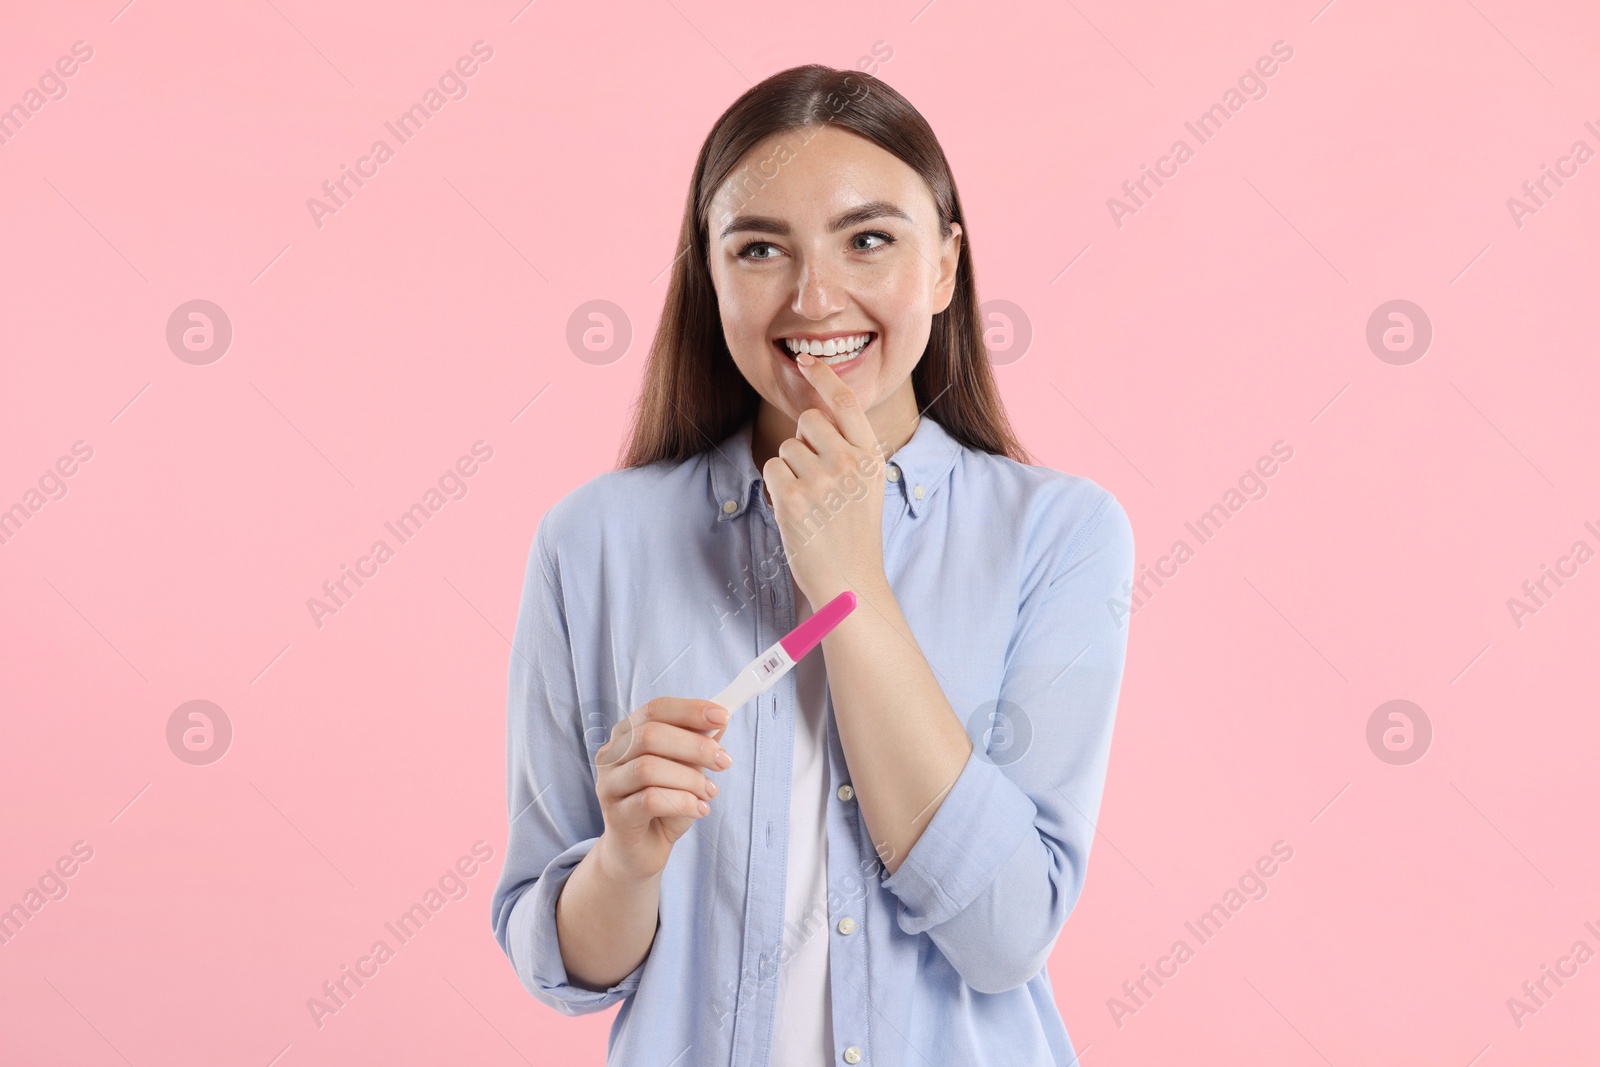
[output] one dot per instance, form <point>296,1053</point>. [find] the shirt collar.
<point>917,471</point>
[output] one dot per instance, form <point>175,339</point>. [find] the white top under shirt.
<point>803,1028</point>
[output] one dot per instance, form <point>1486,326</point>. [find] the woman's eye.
<point>744,253</point>
<point>764,250</point>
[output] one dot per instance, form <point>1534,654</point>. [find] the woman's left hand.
<point>827,486</point>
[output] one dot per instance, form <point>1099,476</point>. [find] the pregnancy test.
<point>764,671</point>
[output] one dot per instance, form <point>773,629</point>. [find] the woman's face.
<point>824,238</point>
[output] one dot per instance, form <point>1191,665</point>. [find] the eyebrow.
<point>872,209</point>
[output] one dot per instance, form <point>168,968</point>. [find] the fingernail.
<point>723,759</point>
<point>711,788</point>
<point>805,359</point>
<point>704,807</point>
<point>717,714</point>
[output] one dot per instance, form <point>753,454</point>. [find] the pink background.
<point>368,354</point>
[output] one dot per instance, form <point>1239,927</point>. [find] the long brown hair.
<point>693,394</point>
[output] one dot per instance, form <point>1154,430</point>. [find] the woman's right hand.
<point>650,782</point>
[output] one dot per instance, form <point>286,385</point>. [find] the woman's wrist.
<point>606,920</point>
<point>614,874</point>
<point>871,585</point>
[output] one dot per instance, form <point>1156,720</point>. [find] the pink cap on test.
<point>807,635</point>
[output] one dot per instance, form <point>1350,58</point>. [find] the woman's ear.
<point>949,261</point>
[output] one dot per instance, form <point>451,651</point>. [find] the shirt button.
<point>847,925</point>
<point>730,506</point>
<point>852,1055</point>
<point>917,492</point>
<point>845,792</point>
<point>894,476</point>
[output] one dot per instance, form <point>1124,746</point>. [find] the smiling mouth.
<point>835,351</point>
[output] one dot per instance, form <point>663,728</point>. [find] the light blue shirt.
<point>665,581</point>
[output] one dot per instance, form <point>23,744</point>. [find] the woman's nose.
<point>818,293</point>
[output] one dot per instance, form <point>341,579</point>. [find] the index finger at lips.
<point>842,403</point>
<point>817,429</point>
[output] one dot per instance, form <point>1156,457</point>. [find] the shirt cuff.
<point>533,926</point>
<point>982,822</point>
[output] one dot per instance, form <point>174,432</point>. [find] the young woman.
<point>870,862</point>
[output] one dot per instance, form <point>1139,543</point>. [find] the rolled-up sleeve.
<point>1001,863</point>
<point>554,813</point>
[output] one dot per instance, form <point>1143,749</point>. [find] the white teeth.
<point>841,348</point>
